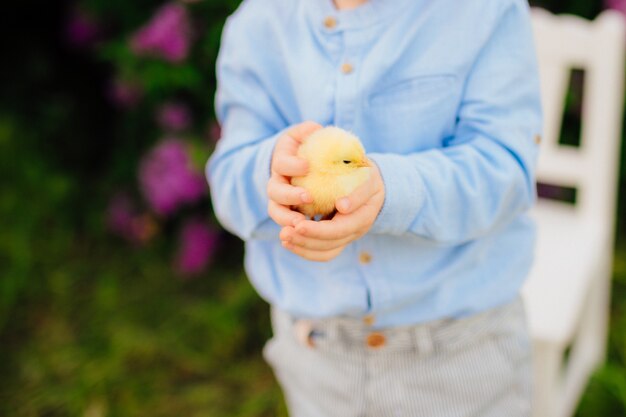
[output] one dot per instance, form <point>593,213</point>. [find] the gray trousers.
<point>477,366</point>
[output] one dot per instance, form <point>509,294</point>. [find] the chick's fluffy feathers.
<point>337,166</point>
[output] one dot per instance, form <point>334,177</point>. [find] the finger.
<point>287,145</point>
<point>339,227</point>
<point>313,255</point>
<point>300,131</point>
<point>288,234</point>
<point>282,215</point>
<point>286,194</point>
<point>320,245</point>
<point>294,136</point>
<point>289,165</point>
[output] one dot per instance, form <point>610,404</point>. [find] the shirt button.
<point>369,319</point>
<point>347,68</point>
<point>537,139</point>
<point>365,258</point>
<point>330,22</point>
<point>375,340</point>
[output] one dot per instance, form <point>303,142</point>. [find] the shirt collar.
<point>363,16</point>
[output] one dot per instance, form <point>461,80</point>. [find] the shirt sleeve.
<point>239,169</point>
<point>483,176</point>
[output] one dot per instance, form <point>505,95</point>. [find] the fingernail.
<point>344,204</point>
<point>295,221</point>
<point>305,197</point>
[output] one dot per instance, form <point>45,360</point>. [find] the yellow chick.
<point>337,165</point>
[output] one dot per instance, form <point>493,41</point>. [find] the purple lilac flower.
<point>197,246</point>
<point>167,35</point>
<point>125,94</point>
<point>619,5</point>
<point>167,178</point>
<point>81,30</point>
<point>174,117</point>
<point>124,220</point>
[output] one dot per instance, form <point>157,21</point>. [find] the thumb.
<point>357,198</point>
<point>363,193</point>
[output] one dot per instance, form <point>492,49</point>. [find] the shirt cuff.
<point>404,194</point>
<point>265,151</point>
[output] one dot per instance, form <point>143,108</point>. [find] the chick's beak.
<point>363,163</point>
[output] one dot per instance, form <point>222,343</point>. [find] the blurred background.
<point>119,293</point>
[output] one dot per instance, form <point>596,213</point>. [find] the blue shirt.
<point>445,97</point>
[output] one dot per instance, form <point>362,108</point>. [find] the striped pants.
<point>477,366</point>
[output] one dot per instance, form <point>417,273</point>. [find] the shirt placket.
<point>345,47</point>
<point>347,76</point>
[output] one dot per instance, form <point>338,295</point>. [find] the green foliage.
<point>33,184</point>
<point>585,8</point>
<point>194,79</point>
<point>606,393</point>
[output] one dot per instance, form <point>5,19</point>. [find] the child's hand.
<point>325,240</point>
<point>286,164</point>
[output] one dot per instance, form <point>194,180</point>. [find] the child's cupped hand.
<point>324,240</point>
<point>317,240</point>
<point>284,165</point>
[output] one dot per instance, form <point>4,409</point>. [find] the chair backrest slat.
<point>565,43</point>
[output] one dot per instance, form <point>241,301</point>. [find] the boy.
<point>407,302</point>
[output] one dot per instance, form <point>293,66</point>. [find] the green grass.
<point>116,334</point>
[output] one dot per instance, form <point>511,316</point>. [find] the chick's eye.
<point>346,161</point>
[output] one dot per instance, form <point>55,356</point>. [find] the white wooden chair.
<point>567,293</point>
